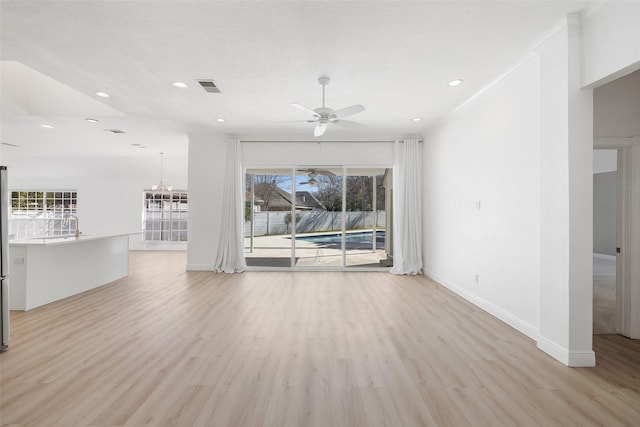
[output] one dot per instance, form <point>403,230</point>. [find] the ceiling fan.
<point>323,116</point>
<point>312,173</point>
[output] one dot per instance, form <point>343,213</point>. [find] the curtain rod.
<point>333,142</point>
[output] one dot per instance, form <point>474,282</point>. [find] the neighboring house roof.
<point>256,201</point>
<point>307,198</point>
<point>282,200</point>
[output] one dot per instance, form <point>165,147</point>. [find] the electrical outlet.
<point>476,278</point>
<point>18,260</point>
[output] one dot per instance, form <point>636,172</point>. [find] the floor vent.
<point>209,86</point>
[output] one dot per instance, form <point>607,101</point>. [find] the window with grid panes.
<point>37,214</point>
<point>165,216</point>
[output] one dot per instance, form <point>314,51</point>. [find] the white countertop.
<point>49,241</point>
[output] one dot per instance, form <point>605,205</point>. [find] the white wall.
<point>318,154</point>
<point>206,178</point>
<point>610,41</point>
<point>605,161</point>
<point>110,190</point>
<point>566,223</point>
<point>605,194</point>
<point>523,148</point>
<point>605,201</point>
<point>488,151</point>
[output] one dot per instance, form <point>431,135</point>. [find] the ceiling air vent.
<point>114,130</point>
<point>209,86</point>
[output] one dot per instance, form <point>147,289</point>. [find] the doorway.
<point>605,238</point>
<point>615,127</point>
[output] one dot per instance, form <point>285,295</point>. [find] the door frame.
<point>628,237</point>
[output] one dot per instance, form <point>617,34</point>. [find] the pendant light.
<point>161,188</point>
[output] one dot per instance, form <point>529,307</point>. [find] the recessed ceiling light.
<point>179,84</point>
<point>220,120</point>
<point>102,94</point>
<point>417,119</point>
<point>47,126</point>
<point>455,82</point>
<point>92,120</point>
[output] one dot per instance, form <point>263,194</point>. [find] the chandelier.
<point>161,187</point>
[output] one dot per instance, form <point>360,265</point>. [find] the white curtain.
<point>407,207</point>
<point>230,257</point>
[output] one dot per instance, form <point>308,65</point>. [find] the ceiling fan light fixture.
<point>319,130</point>
<point>324,115</point>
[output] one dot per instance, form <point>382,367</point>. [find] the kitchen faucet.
<point>65,223</point>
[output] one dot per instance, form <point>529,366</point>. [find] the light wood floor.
<point>604,296</point>
<point>173,348</point>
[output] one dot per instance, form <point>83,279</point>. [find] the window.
<point>165,216</point>
<point>37,214</point>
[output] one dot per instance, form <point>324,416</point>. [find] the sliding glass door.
<point>319,231</point>
<point>365,218</point>
<point>267,218</point>
<point>320,217</point>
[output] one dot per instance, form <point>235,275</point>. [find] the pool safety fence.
<point>273,223</point>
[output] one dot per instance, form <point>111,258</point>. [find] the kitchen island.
<point>50,269</point>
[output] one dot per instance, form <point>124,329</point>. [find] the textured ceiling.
<point>395,58</point>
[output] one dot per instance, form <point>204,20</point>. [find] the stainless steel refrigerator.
<point>4,259</point>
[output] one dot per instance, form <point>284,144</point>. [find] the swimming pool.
<point>364,237</point>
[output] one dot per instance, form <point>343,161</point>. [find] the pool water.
<point>362,237</point>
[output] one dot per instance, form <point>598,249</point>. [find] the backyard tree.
<point>287,219</point>
<point>265,187</point>
<point>359,194</point>
<point>329,192</point>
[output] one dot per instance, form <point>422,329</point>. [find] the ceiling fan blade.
<point>296,121</point>
<point>313,172</point>
<point>324,172</point>
<point>319,130</point>
<point>348,111</point>
<point>305,109</point>
<point>349,124</point>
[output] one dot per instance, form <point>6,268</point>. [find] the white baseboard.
<point>158,246</point>
<point>582,359</point>
<point>502,315</point>
<point>200,267</point>
<point>574,359</point>
<point>585,358</point>
<point>604,256</point>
